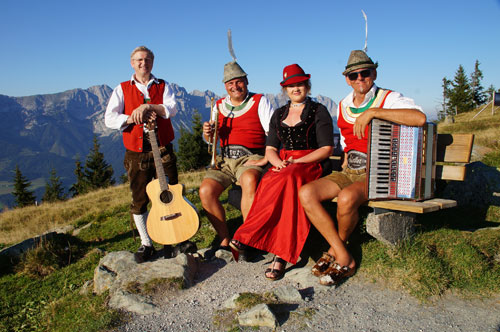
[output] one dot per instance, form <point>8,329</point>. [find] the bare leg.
<point>312,194</point>
<point>348,202</point>
<point>210,191</point>
<point>248,182</point>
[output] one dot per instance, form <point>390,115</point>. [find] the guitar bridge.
<point>170,216</point>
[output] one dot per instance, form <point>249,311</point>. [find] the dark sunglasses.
<point>364,73</point>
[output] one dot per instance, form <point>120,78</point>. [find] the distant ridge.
<point>52,130</point>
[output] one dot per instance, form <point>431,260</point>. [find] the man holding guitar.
<point>142,99</point>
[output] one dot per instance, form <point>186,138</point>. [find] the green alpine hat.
<point>357,60</point>
<point>232,70</point>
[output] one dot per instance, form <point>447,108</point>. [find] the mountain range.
<point>48,131</point>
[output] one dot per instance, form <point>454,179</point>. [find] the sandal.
<point>276,274</point>
<point>335,274</point>
<point>322,264</point>
<point>237,248</point>
<point>237,245</point>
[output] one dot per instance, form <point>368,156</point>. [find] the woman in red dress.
<point>300,137</point>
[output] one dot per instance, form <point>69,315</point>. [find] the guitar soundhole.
<point>166,197</point>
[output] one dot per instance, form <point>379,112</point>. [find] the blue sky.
<point>53,46</point>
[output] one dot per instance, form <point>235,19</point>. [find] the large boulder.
<point>118,273</point>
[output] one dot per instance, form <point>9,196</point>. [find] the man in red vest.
<point>133,103</point>
<point>243,122</point>
<point>354,113</point>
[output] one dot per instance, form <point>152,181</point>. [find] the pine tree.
<point>444,111</point>
<point>192,151</point>
<point>54,190</point>
<point>478,94</point>
<point>22,196</point>
<point>97,172</point>
<point>80,186</point>
<point>460,95</point>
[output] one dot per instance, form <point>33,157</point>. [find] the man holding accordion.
<point>354,113</point>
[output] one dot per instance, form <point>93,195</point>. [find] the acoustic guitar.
<point>173,218</point>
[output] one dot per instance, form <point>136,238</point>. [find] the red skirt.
<point>276,222</point>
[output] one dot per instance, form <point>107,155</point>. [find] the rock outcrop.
<point>119,274</point>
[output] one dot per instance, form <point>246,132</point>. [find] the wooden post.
<point>495,101</point>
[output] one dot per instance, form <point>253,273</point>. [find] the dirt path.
<point>357,305</point>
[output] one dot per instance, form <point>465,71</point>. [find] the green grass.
<point>444,256</point>
<point>41,292</point>
<point>492,159</point>
<point>53,302</point>
<point>248,300</point>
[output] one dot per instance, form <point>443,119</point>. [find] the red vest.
<point>346,120</point>
<point>241,126</point>
<point>133,98</point>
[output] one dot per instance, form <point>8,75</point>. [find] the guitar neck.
<point>160,172</point>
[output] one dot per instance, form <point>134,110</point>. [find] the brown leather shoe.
<point>322,264</point>
<point>335,274</point>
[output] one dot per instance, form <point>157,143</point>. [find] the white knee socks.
<point>140,223</point>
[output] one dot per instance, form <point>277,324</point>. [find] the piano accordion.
<point>400,161</point>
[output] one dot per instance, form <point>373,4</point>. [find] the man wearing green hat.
<point>243,123</point>
<point>365,102</point>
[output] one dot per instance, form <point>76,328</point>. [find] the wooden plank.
<point>450,172</point>
<point>430,205</point>
<point>454,148</point>
<point>443,203</point>
<point>405,206</point>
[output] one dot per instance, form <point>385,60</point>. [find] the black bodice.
<point>302,136</point>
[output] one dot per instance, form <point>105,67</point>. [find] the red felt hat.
<point>294,74</point>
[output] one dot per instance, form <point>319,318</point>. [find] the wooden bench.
<point>393,220</point>
<point>453,153</point>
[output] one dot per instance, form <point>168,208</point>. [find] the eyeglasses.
<point>143,60</point>
<point>364,73</point>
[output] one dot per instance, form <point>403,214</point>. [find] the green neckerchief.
<point>367,106</point>
<point>232,108</point>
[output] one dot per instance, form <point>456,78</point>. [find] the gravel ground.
<point>356,305</point>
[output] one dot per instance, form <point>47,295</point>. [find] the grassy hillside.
<point>42,290</point>
<point>486,129</point>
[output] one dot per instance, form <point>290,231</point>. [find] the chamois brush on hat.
<point>232,69</point>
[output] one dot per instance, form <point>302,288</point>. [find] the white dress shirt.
<point>114,117</point>
<point>393,101</point>
<point>265,111</point>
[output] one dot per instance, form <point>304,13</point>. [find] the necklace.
<point>297,105</point>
